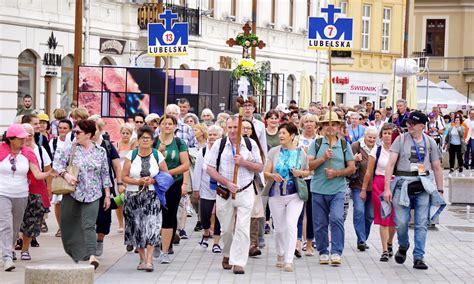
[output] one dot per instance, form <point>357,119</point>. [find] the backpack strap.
<point>108,147</point>
<point>134,154</point>
<point>377,156</point>
<point>155,154</point>
<point>317,144</point>
<point>204,149</point>
<point>248,143</point>
<point>344,149</point>
<point>41,157</point>
<point>221,149</point>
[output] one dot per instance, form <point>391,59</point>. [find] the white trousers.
<point>285,212</point>
<point>236,238</point>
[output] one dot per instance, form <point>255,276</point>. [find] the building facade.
<point>442,32</point>
<point>378,41</point>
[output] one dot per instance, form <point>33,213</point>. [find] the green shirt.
<point>272,140</point>
<point>319,183</point>
<point>172,154</point>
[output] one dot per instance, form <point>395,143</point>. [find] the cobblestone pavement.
<point>449,255</point>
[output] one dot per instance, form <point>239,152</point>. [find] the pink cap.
<point>17,130</point>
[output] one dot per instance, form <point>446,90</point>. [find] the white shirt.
<point>261,134</point>
<point>14,184</point>
<point>136,167</point>
<point>61,144</point>
<point>470,125</point>
<point>383,160</point>
<point>46,159</point>
<point>201,179</point>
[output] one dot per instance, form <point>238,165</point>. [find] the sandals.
<point>25,255</point>
<point>19,244</point>
<point>58,233</point>
<point>385,256</point>
<point>141,266</point>
<point>390,250</point>
<point>204,241</point>
<point>216,248</point>
<point>44,227</point>
<point>149,267</point>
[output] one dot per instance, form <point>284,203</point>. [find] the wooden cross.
<point>245,54</point>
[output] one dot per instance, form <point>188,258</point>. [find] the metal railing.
<point>446,64</point>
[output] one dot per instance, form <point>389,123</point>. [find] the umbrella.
<point>325,91</point>
<point>412,101</point>
<point>392,93</point>
<point>305,91</point>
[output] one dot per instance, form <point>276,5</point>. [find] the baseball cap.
<point>43,116</point>
<point>417,117</point>
<point>283,108</point>
<point>16,130</point>
<point>432,115</point>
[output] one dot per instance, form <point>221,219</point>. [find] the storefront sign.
<point>340,80</point>
<point>363,90</point>
<point>112,46</point>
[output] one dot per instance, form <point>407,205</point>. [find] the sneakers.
<point>198,227</point>
<point>25,255</point>
<point>401,255</point>
<point>164,258</point>
<point>362,246</point>
<point>183,235</point>
<point>261,242</point>
<point>8,264</point>
<point>323,259</point>
<point>170,250</point>
<point>335,259</point>
<point>420,264</point>
<point>99,249</point>
<point>157,253</point>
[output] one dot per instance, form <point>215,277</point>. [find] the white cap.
<point>150,117</point>
<point>283,108</point>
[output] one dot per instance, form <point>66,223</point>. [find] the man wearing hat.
<point>283,111</point>
<point>415,162</point>
<point>331,159</point>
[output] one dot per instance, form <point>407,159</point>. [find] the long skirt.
<point>141,211</point>
<point>31,225</point>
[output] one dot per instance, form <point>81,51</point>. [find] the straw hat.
<point>330,115</point>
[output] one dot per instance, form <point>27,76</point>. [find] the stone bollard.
<point>461,190</point>
<point>59,274</point>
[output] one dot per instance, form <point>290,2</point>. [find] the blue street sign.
<point>336,34</point>
<point>168,38</point>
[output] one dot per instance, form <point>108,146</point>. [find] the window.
<point>365,27</point>
<point>26,76</point>
<point>343,6</point>
<point>291,10</point>
<point>67,72</point>
<point>290,87</point>
<point>387,14</point>
<point>435,37</point>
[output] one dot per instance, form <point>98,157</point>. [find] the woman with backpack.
<point>176,156</point>
<point>375,173</point>
<point>141,208</point>
<point>363,212</point>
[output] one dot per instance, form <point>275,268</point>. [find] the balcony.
<point>148,13</point>
<point>452,65</point>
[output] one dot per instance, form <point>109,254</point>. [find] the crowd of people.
<point>164,168</point>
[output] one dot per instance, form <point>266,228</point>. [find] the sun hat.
<point>17,130</point>
<point>43,116</point>
<point>331,115</point>
<point>283,108</point>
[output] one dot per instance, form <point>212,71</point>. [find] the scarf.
<point>365,147</point>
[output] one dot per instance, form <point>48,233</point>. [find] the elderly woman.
<point>201,133</point>
<point>309,124</point>
<point>176,156</point>
<point>104,218</point>
<point>355,130</point>
<point>79,209</point>
<point>363,211</point>
<point>191,119</point>
<point>204,190</point>
<point>207,117</point>
<point>374,175</point>
<point>38,198</point>
<point>16,163</point>
<point>142,206</point>
<point>283,163</point>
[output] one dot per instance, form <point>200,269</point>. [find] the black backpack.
<point>222,146</point>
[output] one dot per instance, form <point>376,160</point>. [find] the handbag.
<point>59,184</point>
<point>300,183</point>
<point>224,193</point>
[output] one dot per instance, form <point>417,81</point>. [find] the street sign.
<point>331,33</point>
<point>168,38</point>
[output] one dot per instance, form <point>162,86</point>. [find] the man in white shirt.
<point>235,230</point>
<point>470,140</point>
<point>249,108</point>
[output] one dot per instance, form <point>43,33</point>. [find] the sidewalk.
<point>449,255</point>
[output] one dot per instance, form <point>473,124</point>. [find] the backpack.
<point>222,146</point>
<point>154,151</point>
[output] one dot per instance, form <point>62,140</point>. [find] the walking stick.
<point>237,146</point>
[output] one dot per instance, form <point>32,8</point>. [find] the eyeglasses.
<point>13,163</point>
<point>77,132</point>
<point>247,128</point>
<point>247,106</point>
<point>141,122</point>
<point>145,137</point>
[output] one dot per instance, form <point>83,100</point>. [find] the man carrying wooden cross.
<point>223,156</point>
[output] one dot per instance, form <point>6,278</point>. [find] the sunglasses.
<point>13,163</point>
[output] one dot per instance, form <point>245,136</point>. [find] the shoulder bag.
<point>59,184</point>
<point>300,183</point>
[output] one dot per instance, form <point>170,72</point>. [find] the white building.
<point>25,27</point>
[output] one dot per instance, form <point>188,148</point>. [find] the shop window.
<point>67,88</point>
<point>26,76</point>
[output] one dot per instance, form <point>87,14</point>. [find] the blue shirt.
<point>319,183</point>
<point>357,133</point>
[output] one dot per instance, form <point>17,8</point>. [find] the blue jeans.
<point>329,209</point>
<point>363,215</point>
<point>469,153</point>
<point>309,218</point>
<point>421,205</point>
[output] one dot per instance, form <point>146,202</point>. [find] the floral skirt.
<point>31,225</point>
<point>141,211</point>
